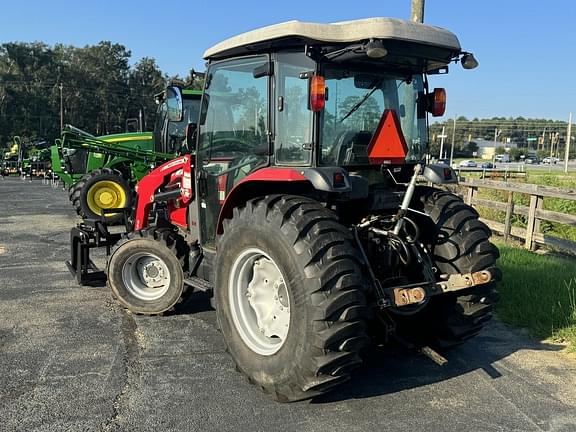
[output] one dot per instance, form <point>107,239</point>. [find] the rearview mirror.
<point>174,103</point>
<point>365,81</point>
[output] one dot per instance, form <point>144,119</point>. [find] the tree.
<point>99,89</point>
<point>146,80</point>
<point>515,153</point>
<point>26,84</point>
<point>471,148</point>
<point>366,117</point>
<point>105,67</point>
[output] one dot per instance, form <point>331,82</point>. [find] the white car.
<point>550,160</point>
<point>467,164</point>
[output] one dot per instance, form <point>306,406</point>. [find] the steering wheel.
<point>230,142</point>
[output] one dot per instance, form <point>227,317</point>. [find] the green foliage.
<point>515,153</point>
<point>471,147</point>
<point>527,134</point>
<point>100,90</point>
<point>145,80</point>
<point>539,293</point>
<point>366,117</point>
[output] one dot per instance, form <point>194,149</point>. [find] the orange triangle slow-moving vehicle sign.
<point>388,145</point>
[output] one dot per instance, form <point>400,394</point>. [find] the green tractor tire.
<point>99,190</point>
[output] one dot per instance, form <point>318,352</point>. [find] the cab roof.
<point>297,33</point>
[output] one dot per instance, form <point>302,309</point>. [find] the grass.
<point>538,292</point>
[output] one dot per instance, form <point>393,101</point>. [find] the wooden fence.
<point>534,211</point>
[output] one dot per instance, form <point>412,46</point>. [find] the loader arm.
<point>170,182</point>
<point>75,138</point>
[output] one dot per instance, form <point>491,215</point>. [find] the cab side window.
<point>293,117</point>
<point>233,140</point>
<point>234,127</point>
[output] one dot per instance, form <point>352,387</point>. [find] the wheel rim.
<point>146,276</point>
<point>106,194</point>
<point>259,302</point>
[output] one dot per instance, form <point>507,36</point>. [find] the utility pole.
<point>417,14</point>
<point>60,86</point>
<point>409,98</point>
<point>453,136</point>
<point>568,138</point>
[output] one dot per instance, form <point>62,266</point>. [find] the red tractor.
<point>301,207</point>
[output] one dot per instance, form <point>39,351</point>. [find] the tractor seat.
<point>351,148</point>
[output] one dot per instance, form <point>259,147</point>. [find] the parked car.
<point>531,160</point>
<point>468,164</point>
<point>550,160</point>
<point>444,161</point>
<point>489,165</point>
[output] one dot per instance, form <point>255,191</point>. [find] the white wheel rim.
<point>146,276</point>
<point>259,302</point>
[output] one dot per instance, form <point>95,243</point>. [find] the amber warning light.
<point>437,102</point>
<point>317,93</point>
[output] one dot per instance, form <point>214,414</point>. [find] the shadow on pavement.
<point>198,301</point>
<point>390,369</point>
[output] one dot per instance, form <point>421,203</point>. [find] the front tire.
<point>99,190</point>
<point>145,271</point>
<point>290,296</point>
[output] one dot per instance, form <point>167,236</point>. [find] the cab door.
<point>234,133</point>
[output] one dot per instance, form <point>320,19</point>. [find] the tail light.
<point>437,102</point>
<point>317,93</point>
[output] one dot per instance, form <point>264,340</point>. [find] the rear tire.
<point>146,271</point>
<point>459,243</point>
<point>101,189</point>
<point>311,266</point>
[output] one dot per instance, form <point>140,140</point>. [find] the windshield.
<point>354,106</point>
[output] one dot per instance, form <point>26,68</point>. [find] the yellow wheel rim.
<point>106,194</point>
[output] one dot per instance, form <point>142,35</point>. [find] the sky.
<point>526,49</point>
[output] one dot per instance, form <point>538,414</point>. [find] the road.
<point>72,360</point>
<point>555,169</point>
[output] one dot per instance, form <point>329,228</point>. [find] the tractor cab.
<point>324,101</point>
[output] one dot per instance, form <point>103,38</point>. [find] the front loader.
<point>302,208</point>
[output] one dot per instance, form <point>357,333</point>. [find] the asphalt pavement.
<point>72,360</point>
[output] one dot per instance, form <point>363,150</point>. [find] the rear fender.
<point>265,181</point>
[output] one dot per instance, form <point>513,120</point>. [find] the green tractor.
<point>30,158</point>
<point>101,172</point>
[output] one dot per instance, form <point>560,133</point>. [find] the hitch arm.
<point>417,293</point>
<point>460,281</point>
